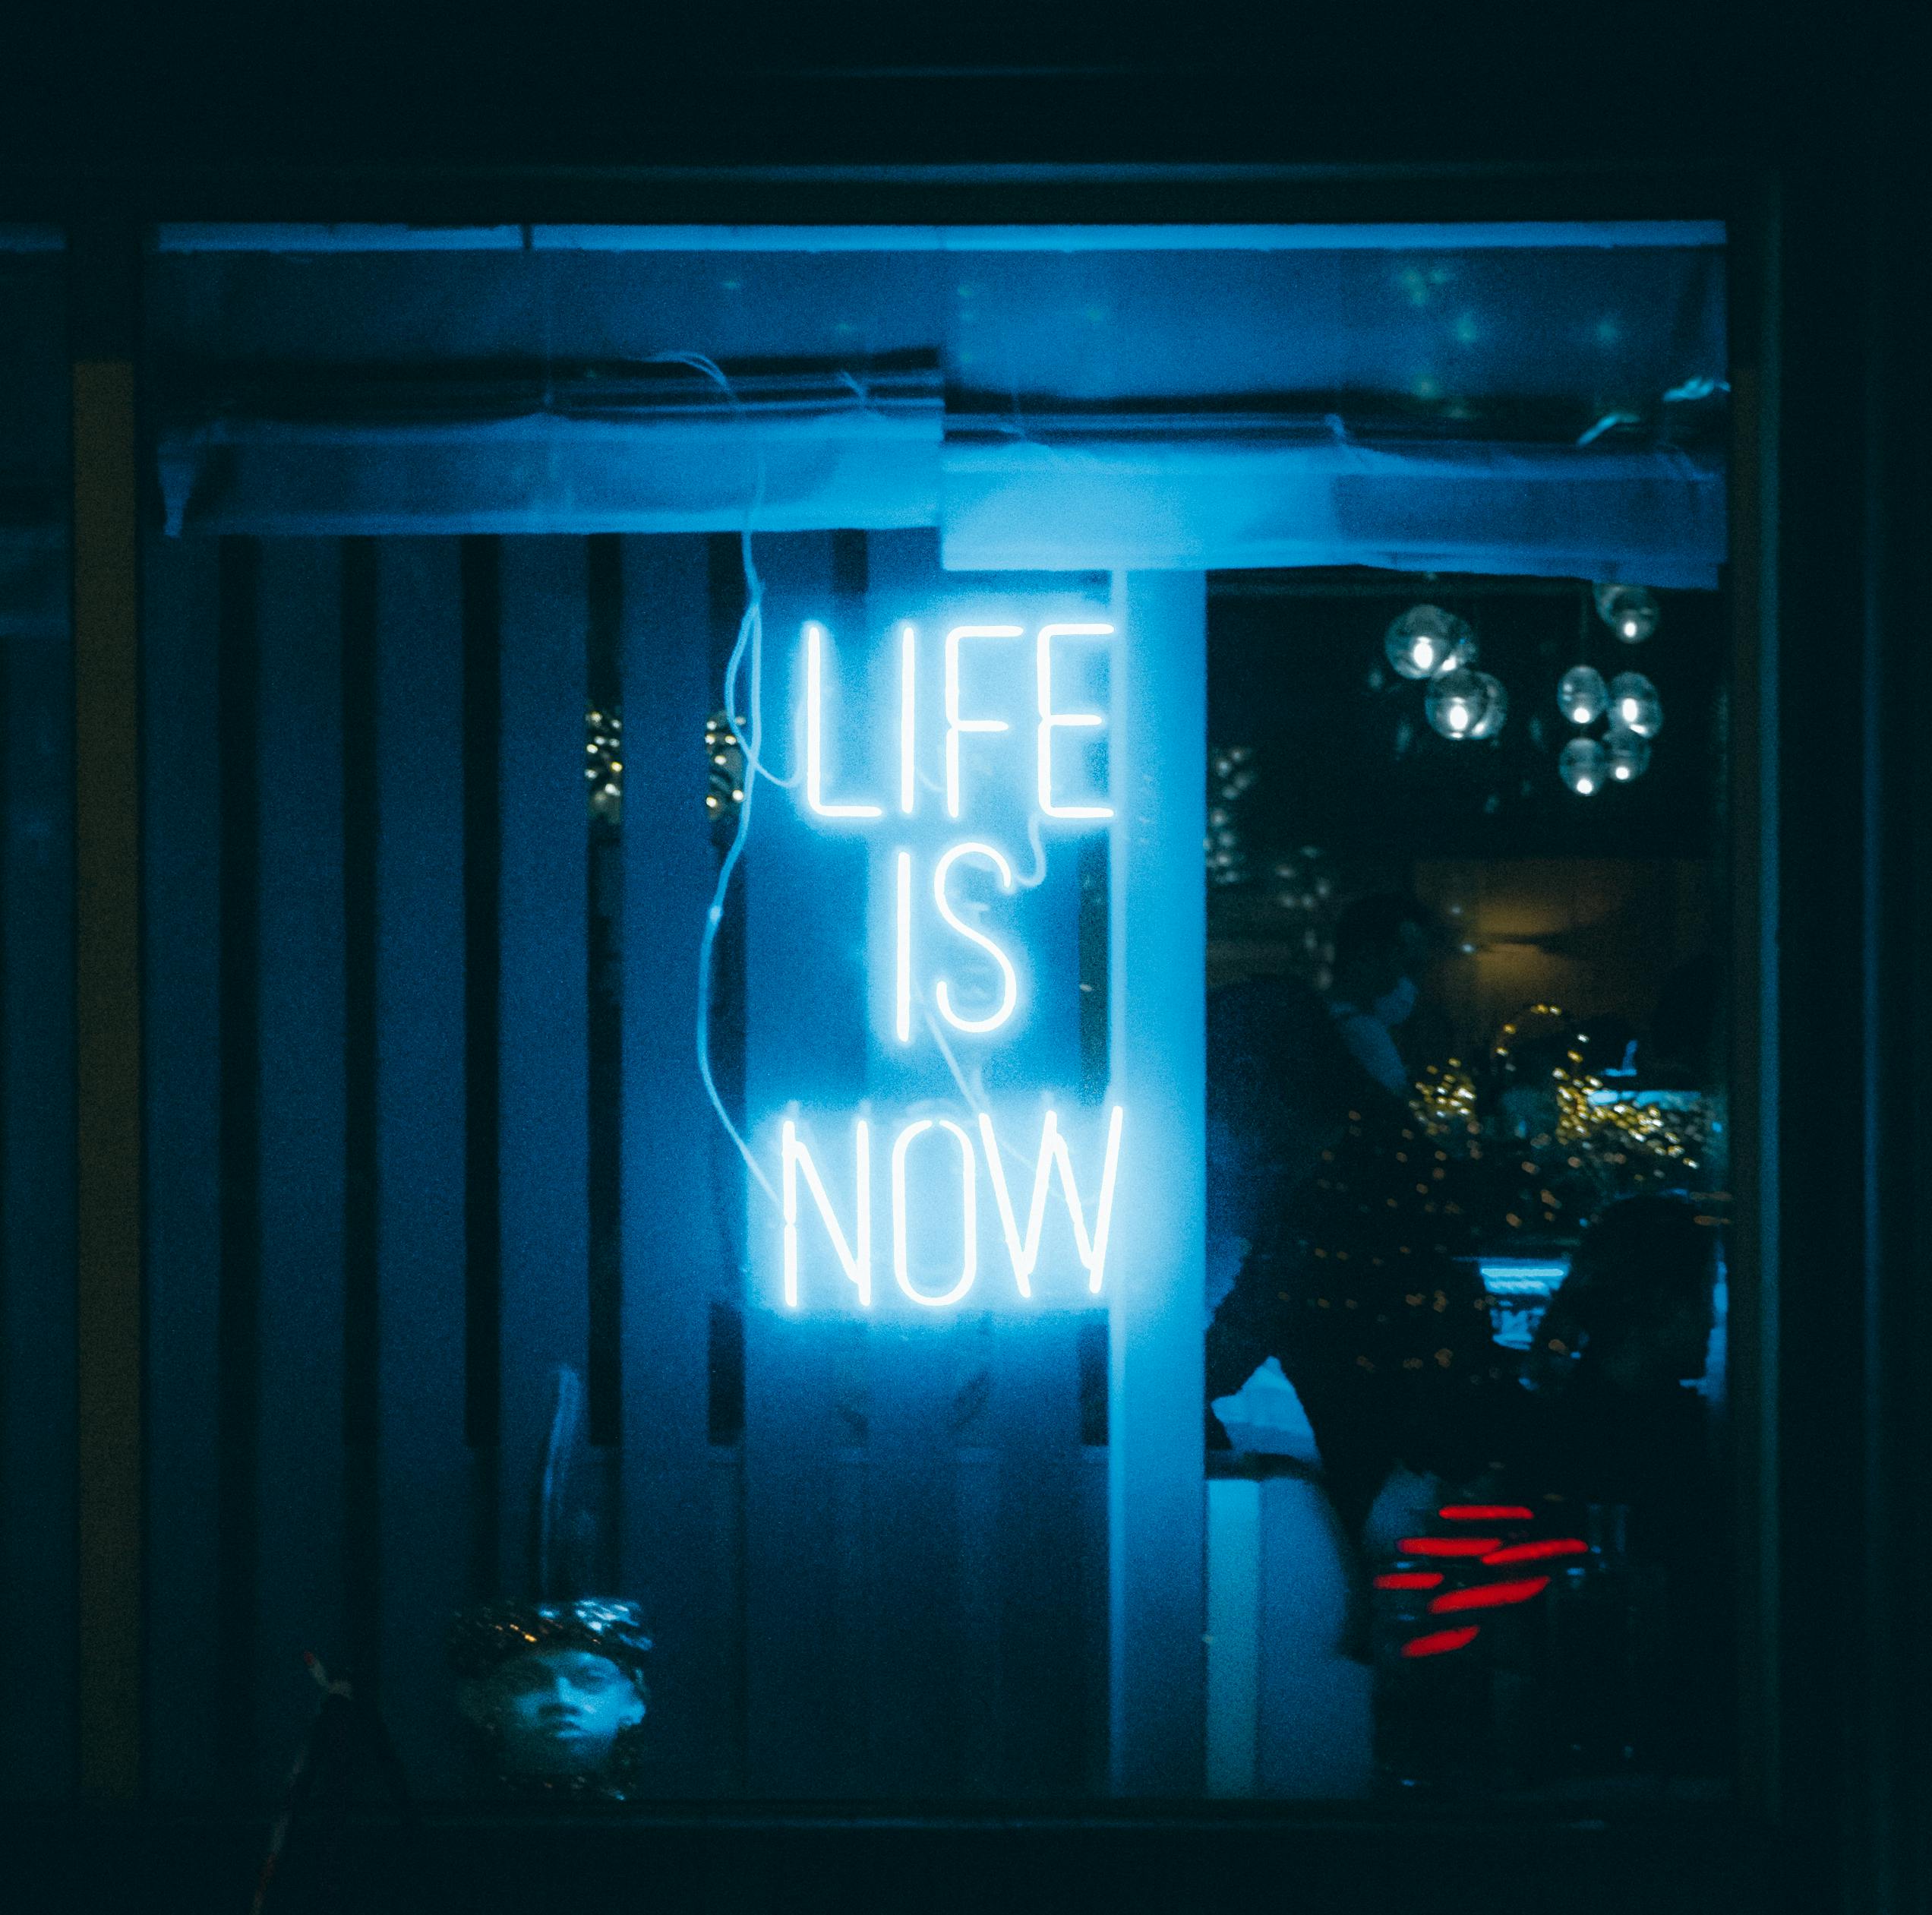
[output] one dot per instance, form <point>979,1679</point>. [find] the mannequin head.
<point>556,1691</point>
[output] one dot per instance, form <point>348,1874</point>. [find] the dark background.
<point>1354,766</point>
<point>740,80</point>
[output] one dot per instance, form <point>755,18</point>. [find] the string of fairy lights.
<point>1587,1142</point>
<point>604,763</point>
<point>724,767</point>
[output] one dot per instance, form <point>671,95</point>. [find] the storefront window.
<point>964,988</point>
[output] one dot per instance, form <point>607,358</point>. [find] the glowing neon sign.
<point>887,1205</point>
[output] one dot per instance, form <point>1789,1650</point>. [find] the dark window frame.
<point>1786,257</point>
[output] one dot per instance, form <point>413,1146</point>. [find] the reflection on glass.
<point>561,475</point>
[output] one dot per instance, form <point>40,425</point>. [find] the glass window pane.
<point>977,970</point>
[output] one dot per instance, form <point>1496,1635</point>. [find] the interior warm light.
<point>1542,1550</point>
<point>1490,1595</point>
<point>1439,1642</point>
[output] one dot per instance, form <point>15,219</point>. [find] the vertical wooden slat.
<point>805,1399</point>
<point>424,1474</point>
<point>542,1008</point>
<point>361,1648</point>
<point>675,1257</point>
<point>1011,1390</point>
<point>912,1596</point>
<point>237,1296</point>
<point>479,564</point>
<point>37,1587</point>
<point>1093,1644</point>
<point>913,1599</point>
<point>299,1482</point>
<point>1044,1698</point>
<point>107,1006</point>
<point>982,1769</point>
<point>181,846</point>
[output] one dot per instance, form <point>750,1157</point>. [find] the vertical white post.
<point>1234,1634</point>
<point>1156,982</point>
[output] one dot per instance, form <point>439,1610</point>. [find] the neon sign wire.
<point>853,1253</point>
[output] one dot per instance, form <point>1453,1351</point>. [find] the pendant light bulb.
<point>1630,610</point>
<point>1425,639</point>
<point>1582,766</point>
<point>1580,693</point>
<point>1635,705</point>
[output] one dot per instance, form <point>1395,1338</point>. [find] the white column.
<point>1157,959</point>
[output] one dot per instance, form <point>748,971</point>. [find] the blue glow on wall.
<point>962,754</point>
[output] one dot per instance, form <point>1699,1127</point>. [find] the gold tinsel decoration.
<point>1444,1099</point>
<point>1673,1135</point>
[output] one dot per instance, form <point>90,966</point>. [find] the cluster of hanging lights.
<point>1428,644</point>
<point>1628,706</point>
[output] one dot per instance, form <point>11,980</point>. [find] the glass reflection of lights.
<point>1626,755</point>
<point>1580,693</point>
<point>1635,705</point>
<point>1630,610</point>
<point>1425,639</point>
<point>1581,766</point>
<point>1496,713</point>
<point>1458,702</point>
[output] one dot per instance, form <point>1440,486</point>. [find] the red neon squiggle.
<point>1442,1642</point>
<point>1491,1595</point>
<point>1539,1551</point>
<point>1448,1545</point>
<point>1486,1512</point>
<point>1409,1579</point>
